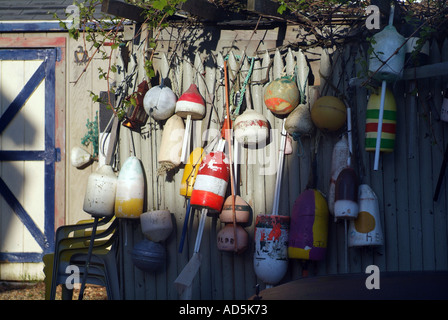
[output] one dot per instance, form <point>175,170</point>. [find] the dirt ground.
<point>36,291</point>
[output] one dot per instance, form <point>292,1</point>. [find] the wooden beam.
<point>264,7</point>
<point>426,71</point>
<point>210,12</point>
<point>123,10</point>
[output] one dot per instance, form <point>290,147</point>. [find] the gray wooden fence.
<point>414,226</point>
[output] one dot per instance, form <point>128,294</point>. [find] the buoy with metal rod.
<point>232,237</point>
<point>99,201</point>
<point>388,128</point>
<point>186,187</point>
<point>190,106</point>
<point>386,63</point>
<point>272,233</point>
<point>208,194</point>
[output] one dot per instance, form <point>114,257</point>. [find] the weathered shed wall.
<point>414,226</point>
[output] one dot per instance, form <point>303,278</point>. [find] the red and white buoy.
<point>190,106</point>
<point>211,182</point>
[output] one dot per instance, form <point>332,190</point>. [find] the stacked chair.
<point>71,249</point>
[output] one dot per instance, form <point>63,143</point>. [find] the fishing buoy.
<point>130,190</point>
<point>156,225</point>
<point>346,195</point>
<point>191,171</point>
<point>148,256</point>
<point>282,95</point>
<point>308,232</point>
<point>251,127</point>
<point>329,113</point>
<point>384,62</point>
<point>171,144</point>
<point>366,229</point>
<point>211,182</point>
<point>79,157</point>
<point>299,120</point>
<point>388,127</point>
<point>242,211</point>
<point>99,199</point>
<point>190,106</point>
<point>226,238</point>
<point>160,102</point>
<point>339,161</point>
<point>271,247</point>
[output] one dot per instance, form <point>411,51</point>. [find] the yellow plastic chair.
<point>75,239</point>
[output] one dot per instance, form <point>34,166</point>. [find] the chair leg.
<point>67,294</point>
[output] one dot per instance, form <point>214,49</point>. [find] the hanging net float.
<point>385,64</point>
<point>308,233</point>
<point>148,256</point>
<point>211,182</point>
<point>388,128</point>
<point>251,128</point>
<point>271,236</point>
<point>99,199</point>
<point>242,211</point>
<point>299,121</point>
<point>282,96</point>
<point>366,229</point>
<point>160,102</point>
<point>130,190</point>
<point>156,225</point>
<point>171,144</point>
<point>226,238</point>
<point>79,157</point>
<point>329,113</point>
<point>346,195</point>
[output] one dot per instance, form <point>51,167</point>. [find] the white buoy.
<point>99,199</point>
<point>160,102</point>
<point>366,229</point>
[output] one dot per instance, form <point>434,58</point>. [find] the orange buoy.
<point>211,182</point>
<point>242,211</point>
<point>282,95</point>
<point>329,113</point>
<point>226,238</point>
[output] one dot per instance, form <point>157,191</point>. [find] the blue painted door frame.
<point>45,72</point>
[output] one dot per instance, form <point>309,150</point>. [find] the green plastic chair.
<point>75,239</point>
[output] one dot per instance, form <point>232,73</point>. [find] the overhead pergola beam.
<point>123,10</point>
<point>210,12</point>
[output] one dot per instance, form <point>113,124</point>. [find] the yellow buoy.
<point>329,113</point>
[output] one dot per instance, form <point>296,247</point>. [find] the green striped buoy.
<point>389,122</point>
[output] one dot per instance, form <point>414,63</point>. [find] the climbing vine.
<point>103,34</point>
